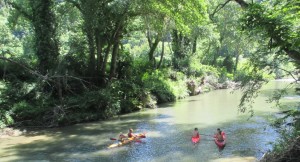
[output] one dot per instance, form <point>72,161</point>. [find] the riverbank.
<point>10,132</point>
<point>288,123</point>
<point>196,87</point>
<point>290,153</point>
<point>208,111</point>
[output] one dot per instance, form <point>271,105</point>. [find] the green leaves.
<point>279,21</point>
<point>184,15</point>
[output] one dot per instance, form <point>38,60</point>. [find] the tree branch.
<point>292,54</point>
<point>218,8</point>
<point>242,3</point>
<point>289,73</point>
<point>46,77</point>
<point>23,66</point>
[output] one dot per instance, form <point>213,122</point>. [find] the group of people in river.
<point>218,135</point>
<point>196,134</point>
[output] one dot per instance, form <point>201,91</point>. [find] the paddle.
<point>205,135</point>
<point>136,140</point>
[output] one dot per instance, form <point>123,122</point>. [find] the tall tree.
<point>42,18</point>
<point>182,18</point>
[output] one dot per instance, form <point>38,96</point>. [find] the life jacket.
<point>196,135</point>
<point>130,135</point>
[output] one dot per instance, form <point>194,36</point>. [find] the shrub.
<point>200,70</point>
<point>178,86</point>
<point>5,118</point>
<point>156,83</point>
<point>246,71</point>
<point>129,93</point>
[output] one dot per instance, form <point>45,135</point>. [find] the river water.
<point>168,130</point>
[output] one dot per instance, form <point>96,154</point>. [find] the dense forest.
<point>69,61</point>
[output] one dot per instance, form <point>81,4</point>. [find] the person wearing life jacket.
<point>130,133</point>
<point>219,135</point>
<point>196,133</point>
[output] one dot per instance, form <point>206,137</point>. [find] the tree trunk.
<point>46,43</point>
<point>176,49</point>
<point>215,56</point>
<point>103,66</point>
<point>99,45</point>
<point>152,50</point>
<point>195,45</point>
<point>237,56</point>
<point>161,54</point>
<point>149,39</point>
<point>114,57</point>
<point>91,43</point>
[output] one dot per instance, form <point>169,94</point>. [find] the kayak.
<point>221,144</point>
<point>127,141</point>
<point>196,139</point>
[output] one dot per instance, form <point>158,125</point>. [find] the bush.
<point>5,118</point>
<point>179,87</point>
<point>246,71</point>
<point>103,103</point>
<point>129,93</point>
<point>224,75</point>
<point>157,83</point>
<point>200,70</point>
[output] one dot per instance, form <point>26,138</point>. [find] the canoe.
<point>195,139</point>
<point>127,141</point>
<point>221,144</point>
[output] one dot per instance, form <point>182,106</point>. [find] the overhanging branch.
<point>23,66</point>
<point>46,77</point>
<point>242,3</point>
<point>218,8</point>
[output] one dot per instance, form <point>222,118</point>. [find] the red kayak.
<point>221,144</point>
<point>196,139</point>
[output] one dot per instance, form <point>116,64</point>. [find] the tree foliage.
<point>277,21</point>
<point>69,61</point>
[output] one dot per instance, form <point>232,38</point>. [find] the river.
<point>168,130</point>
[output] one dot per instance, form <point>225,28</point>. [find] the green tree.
<point>42,18</point>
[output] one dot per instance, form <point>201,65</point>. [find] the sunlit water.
<point>168,130</point>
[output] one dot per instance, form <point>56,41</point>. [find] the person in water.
<point>130,133</point>
<point>219,135</point>
<point>196,133</point>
